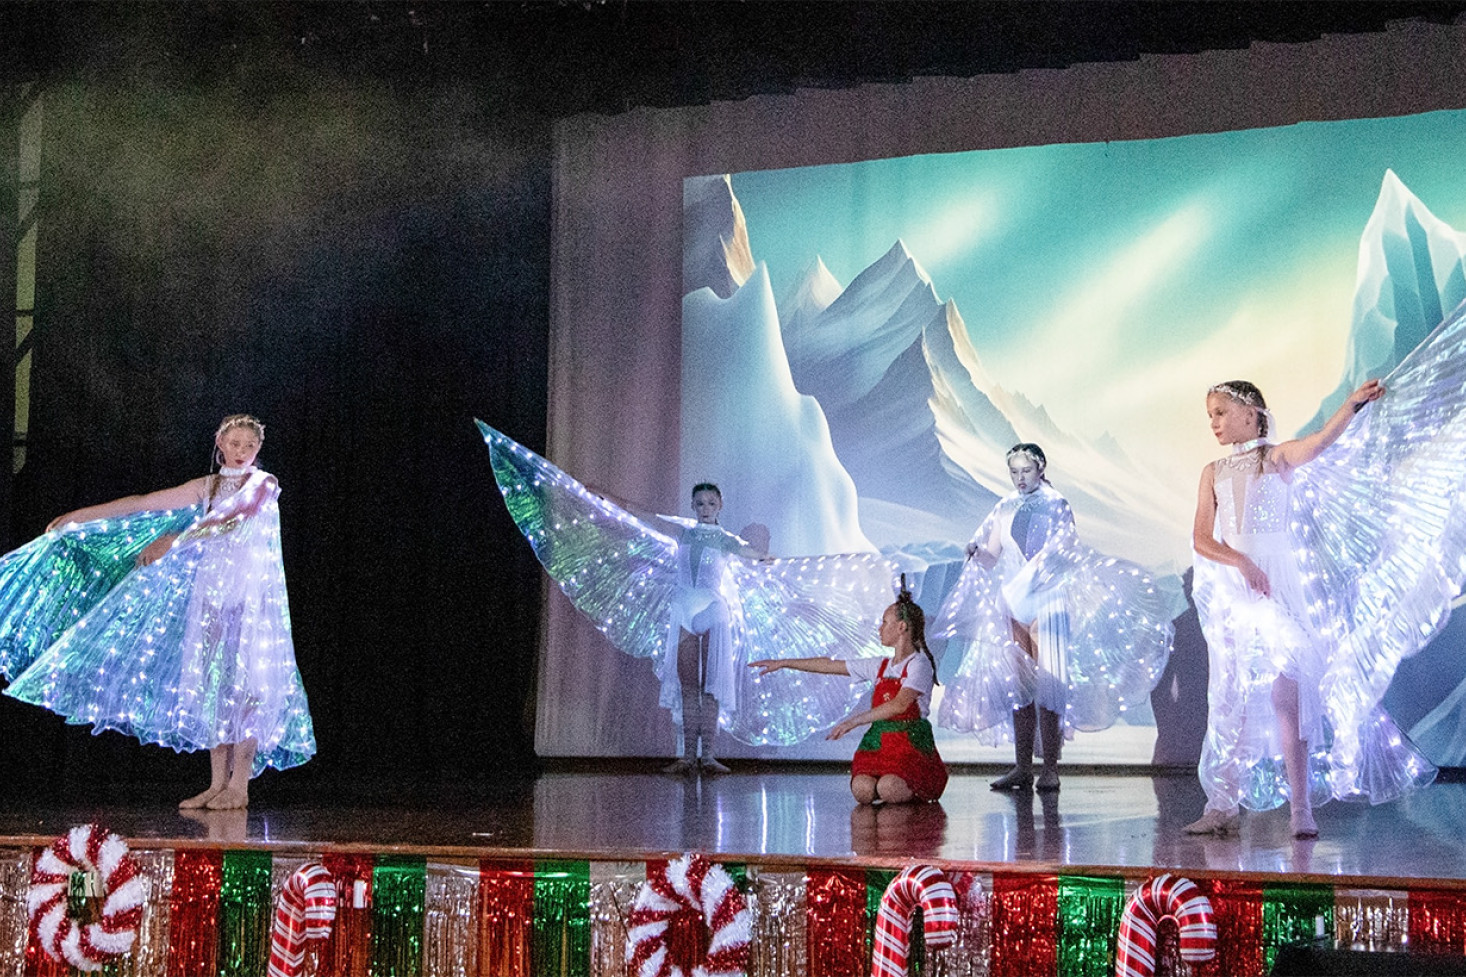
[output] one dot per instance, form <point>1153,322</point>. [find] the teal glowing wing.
<point>50,583</point>
<point>617,570</point>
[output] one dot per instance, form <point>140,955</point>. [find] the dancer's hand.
<point>767,665</point>
<point>1257,581</point>
<point>1369,390</point>
<point>841,728</point>
<point>62,520</point>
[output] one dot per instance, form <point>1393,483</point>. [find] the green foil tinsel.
<point>244,913</point>
<point>399,902</point>
<point>561,919</point>
<point>1295,914</point>
<point>1089,922</point>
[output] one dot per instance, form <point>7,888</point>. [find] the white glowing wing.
<point>801,608</point>
<point>1380,518</point>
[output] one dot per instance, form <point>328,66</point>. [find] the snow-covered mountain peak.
<point>1412,271</point>
<point>812,293</point>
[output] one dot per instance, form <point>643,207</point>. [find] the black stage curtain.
<point>364,266</point>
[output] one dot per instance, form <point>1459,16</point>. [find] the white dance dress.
<point>1102,626</point>
<point>641,587</point>
<point>1365,550</point>
<point>190,652</point>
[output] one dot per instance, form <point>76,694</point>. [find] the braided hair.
<point>910,611</point>
<point>1247,394</point>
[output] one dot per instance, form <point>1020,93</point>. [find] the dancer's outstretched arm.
<point>1300,451</point>
<point>823,666</point>
<point>178,497</point>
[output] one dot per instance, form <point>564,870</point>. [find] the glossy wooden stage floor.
<point>804,815</point>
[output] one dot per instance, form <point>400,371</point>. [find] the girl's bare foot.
<point>229,799</point>
<point>200,800</point>
<point>1302,823</point>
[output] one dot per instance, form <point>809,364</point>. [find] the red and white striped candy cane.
<point>306,911</point>
<point>916,885</point>
<point>1160,897</point>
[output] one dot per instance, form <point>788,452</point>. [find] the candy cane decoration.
<point>691,882</point>
<point>102,856</point>
<point>916,885</point>
<point>306,912</point>
<point>1161,897</point>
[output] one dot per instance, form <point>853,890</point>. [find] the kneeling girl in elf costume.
<point>897,760</point>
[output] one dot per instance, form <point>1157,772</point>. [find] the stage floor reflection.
<point>805,815</point>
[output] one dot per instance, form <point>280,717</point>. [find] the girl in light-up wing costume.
<point>164,617</point>
<point>1320,563</point>
<point>647,583</point>
<point>1052,636</point>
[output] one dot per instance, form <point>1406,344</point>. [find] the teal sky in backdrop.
<point>1006,232</point>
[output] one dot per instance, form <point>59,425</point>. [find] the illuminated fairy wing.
<point>50,583</point>
<point>191,651</point>
<point>1110,619</point>
<point>617,570</point>
<point>1380,522</point>
<point>1120,635</point>
<point>993,675</point>
<point>800,608</point>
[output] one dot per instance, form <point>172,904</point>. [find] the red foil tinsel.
<point>1024,914</point>
<point>835,923</point>
<point>505,917</point>
<point>193,912</point>
<point>349,951</point>
<point>1237,911</point>
<point>1437,921</point>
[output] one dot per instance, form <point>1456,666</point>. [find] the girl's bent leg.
<point>893,790</point>
<point>863,787</point>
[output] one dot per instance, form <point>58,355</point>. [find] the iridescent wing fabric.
<point>194,650</point>
<point>1113,626</point>
<point>803,607</point>
<point>622,574</point>
<point>50,583</point>
<point>616,569</point>
<point>1380,522</point>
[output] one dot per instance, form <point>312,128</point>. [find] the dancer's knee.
<point>894,790</point>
